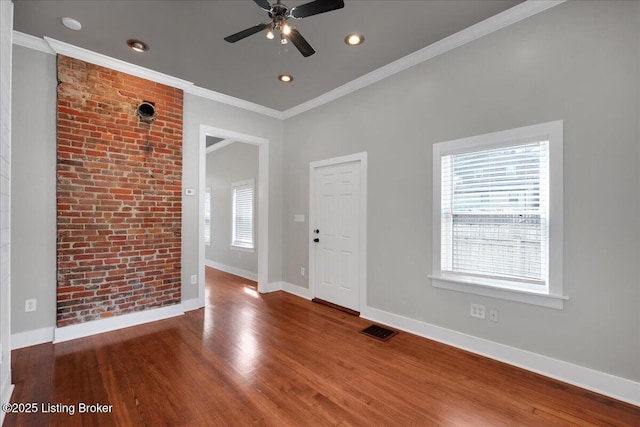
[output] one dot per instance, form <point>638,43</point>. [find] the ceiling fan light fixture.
<point>285,78</point>
<point>354,39</point>
<point>137,45</point>
<point>270,34</point>
<point>278,15</point>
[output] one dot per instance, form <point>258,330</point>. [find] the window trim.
<point>553,295</point>
<point>238,245</point>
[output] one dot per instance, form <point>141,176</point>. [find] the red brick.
<point>113,233</point>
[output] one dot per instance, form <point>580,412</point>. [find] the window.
<point>497,223</point>
<point>242,215</point>
<point>207,216</point>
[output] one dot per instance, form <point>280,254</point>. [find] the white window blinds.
<point>494,212</point>
<point>207,216</point>
<point>242,228</point>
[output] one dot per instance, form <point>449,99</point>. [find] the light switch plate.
<point>298,218</point>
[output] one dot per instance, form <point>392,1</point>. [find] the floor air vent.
<point>378,332</point>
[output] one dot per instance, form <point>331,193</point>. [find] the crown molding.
<point>82,54</point>
<point>235,102</point>
<point>31,42</point>
<point>508,17</point>
<point>52,46</point>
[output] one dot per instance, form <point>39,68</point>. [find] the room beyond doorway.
<point>230,208</point>
<point>261,201</point>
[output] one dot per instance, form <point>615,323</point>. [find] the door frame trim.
<point>262,201</point>
<point>362,247</point>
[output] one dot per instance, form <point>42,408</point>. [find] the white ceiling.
<point>186,39</point>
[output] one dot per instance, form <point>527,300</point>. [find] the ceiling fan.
<point>279,14</point>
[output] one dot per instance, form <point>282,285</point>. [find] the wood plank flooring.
<point>278,360</point>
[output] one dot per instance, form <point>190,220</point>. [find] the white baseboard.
<point>271,287</point>
<point>5,395</point>
<point>29,338</point>
<point>249,275</point>
<point>600,382</point>
<point>81,330</point>
<point>45,335</point>
<point>191,304</point>
<point>297,290</point>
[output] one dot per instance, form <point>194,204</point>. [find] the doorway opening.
<point>226,137</point>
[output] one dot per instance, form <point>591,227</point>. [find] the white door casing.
<point>337,220</point>
<point>262,200</point>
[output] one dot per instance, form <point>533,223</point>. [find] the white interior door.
<point>336,233</point>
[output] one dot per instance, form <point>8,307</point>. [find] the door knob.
<point>316,240</point>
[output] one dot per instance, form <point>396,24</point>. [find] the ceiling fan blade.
<point>300,43</point>
<point>315,7</point>
<point>246,33</point>
<point>264,4</point>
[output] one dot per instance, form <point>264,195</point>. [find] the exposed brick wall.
<point>119,194</point>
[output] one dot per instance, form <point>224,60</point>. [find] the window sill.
<point>242,248</point>
<point>527,297</point>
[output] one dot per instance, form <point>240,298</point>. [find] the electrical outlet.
<point>493,314</point>
<point>302,271</point>
<point>194,279</point>
<point>477,310</point>
<point>29,305</point>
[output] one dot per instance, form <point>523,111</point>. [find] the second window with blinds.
<point>498,214</point>
<point>242,215</point>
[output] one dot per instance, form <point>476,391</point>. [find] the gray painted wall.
<point>235,162</point>
<point>637,138</point>
<point>34,139</point>
<point>6,29</point>
<point>33,187</point>
<point>199,111</point>
<point>578,62</point>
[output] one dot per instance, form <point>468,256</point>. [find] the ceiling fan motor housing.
<point>278,14</point>
<point>278,11</point>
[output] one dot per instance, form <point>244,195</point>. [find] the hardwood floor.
<point>278,360</point>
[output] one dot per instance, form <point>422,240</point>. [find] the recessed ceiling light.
<point>137,45</point>
<point>285,78</point>
<point>354,39</point>
<point>72,24</point>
